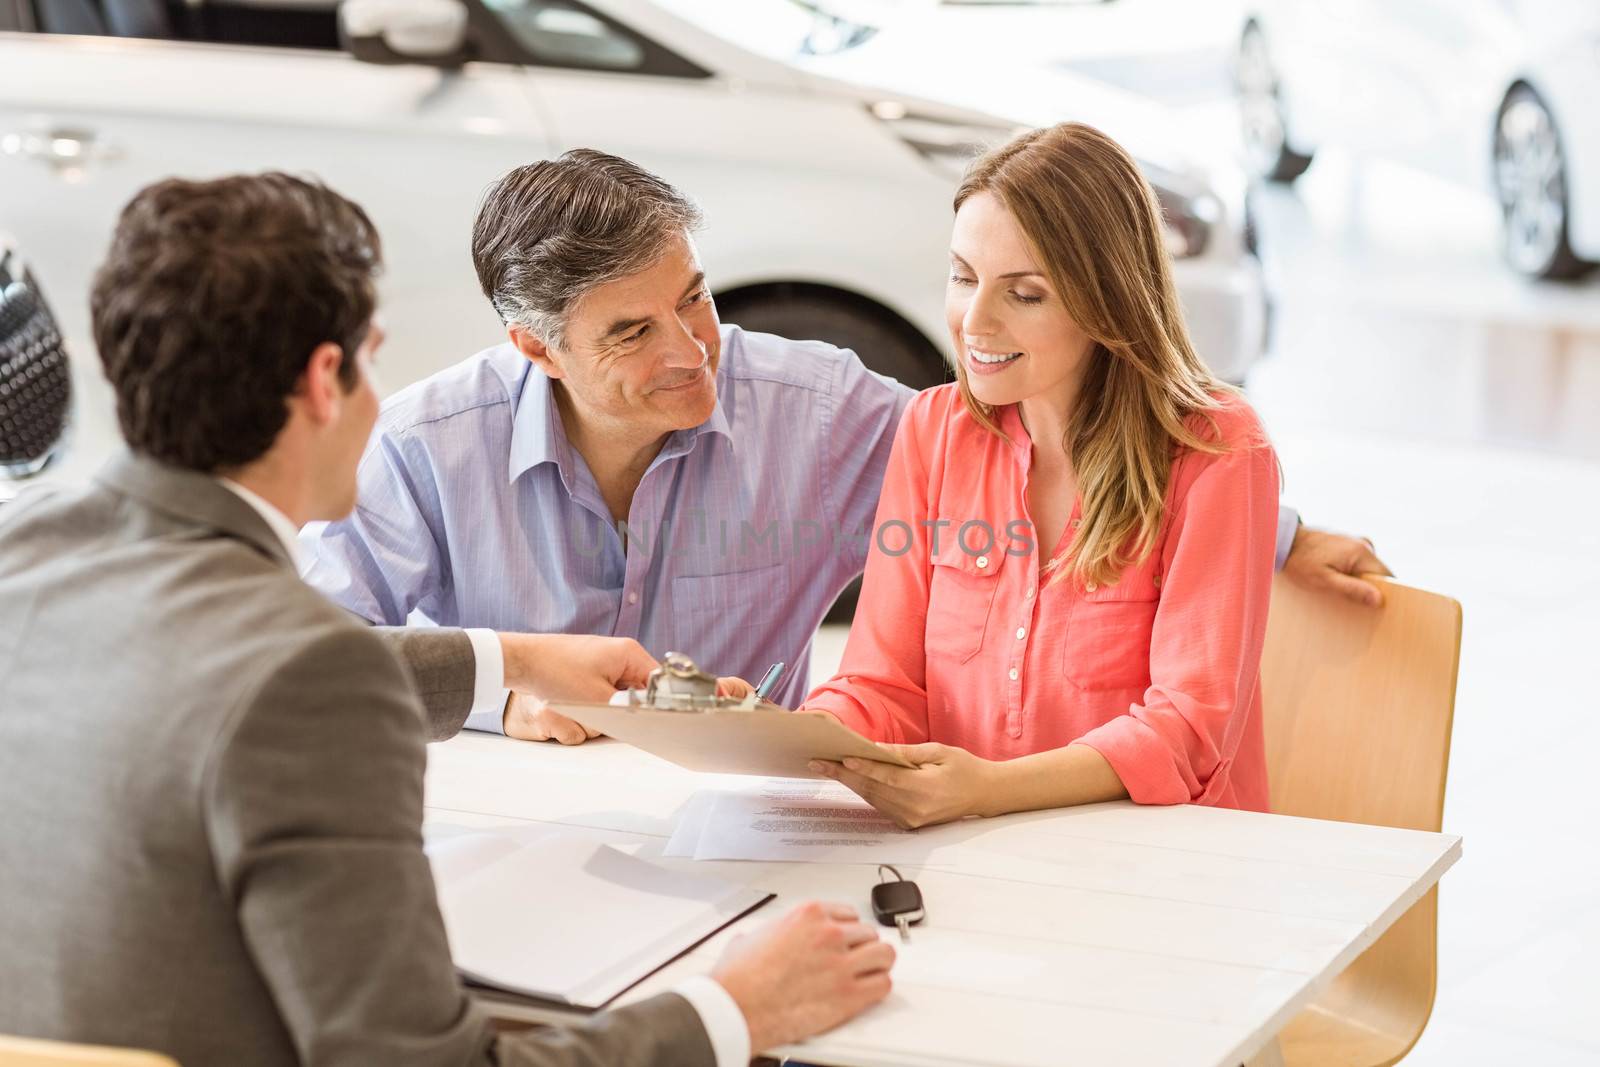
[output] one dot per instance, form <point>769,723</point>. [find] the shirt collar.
<point>538,437</point>
<point>1009,419</point>
<point>276,520</point>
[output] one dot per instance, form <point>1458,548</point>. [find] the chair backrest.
<point>31,1052</point>
<point>1358,704</point>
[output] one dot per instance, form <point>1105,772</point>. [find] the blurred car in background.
<point>35,381</point>
<point>1048,32</point>
<point>1497,94</point>
<point>1203,190</point>
<point>827,197</point>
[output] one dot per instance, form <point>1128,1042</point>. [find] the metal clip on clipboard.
<point>721,735</point>
<point>680,685</point>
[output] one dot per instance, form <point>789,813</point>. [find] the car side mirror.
<point>430,32</point>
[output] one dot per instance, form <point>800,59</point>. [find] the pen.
<point>769,680</point>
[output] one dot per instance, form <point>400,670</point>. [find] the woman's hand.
<point>946,784</point>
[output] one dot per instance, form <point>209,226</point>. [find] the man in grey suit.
<point>212,777</point>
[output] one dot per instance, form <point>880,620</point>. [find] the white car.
<point>828,202</point>
<point>1497,94</point>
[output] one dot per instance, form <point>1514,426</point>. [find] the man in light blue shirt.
<point>626,465</point>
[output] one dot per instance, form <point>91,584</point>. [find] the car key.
<point>897,903</point>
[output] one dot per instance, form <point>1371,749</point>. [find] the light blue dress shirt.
<point>476,511</point>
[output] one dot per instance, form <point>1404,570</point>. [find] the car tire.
<point>1263,124</point>
<point>1530,182</point>
<point>885,345</point>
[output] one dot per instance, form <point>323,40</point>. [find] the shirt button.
<point>1158,581</point>
<point>633,598</point>
<point>1091,587</point>
<point>1013,674</point>
<point>1030,592</point>
<point>983,561</point>
<point>1022,631</point>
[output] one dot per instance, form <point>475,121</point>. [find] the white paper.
<point>795,819</point>
<point>568,919</point>
<point>686,834</point>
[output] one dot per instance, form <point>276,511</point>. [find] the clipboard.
<point>763,740</point>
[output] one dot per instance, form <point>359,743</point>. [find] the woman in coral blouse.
<point>1073,553</point>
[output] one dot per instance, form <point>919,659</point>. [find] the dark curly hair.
<point>211,300</point>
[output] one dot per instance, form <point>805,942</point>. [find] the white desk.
<point>1111,934</point>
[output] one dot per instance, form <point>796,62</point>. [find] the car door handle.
<point>67,150</point>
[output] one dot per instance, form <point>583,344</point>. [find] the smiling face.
<point>1013,335</point>
<point>642,350</point>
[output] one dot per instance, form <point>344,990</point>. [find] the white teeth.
<point>992,357</point>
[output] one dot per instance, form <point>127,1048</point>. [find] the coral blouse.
<point>959,639</point>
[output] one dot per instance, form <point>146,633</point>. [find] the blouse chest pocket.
<point>1108,636</point>
<point>961,591</point>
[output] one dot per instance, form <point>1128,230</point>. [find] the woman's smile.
<point>984,361</point>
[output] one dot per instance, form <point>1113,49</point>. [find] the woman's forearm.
<point>1059,778</point>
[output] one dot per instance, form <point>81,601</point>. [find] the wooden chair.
<point>31,1052</point>
<point>1358,708</point>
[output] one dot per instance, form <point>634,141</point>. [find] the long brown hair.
<point>1094,224</point>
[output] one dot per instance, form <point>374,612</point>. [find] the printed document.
<point>793,819</point>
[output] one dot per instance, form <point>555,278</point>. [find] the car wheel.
<point>1262,121</point>
<point>886,346</point>
<point>1530,177</point>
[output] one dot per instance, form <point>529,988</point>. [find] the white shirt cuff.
<point>488,691</point>
<point>1288,524</point>
<point>724,1022</point>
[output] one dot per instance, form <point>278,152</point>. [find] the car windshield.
<point>779,29</point>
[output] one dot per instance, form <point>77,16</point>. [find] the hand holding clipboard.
<point>680,718</point>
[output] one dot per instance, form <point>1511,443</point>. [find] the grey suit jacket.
<point>211,781</point>
<point>443,672</point>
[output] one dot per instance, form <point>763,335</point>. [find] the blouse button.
<point>1158,581</point>
<point>1013,674</point>
<point>1022,631</point>
<point>983,561</point>
<point>1091,587</point>
<point>633,598</point>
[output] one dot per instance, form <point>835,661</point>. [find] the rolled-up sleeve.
<point>1205,650</point>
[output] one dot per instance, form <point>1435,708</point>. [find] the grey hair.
<point>549,232</point>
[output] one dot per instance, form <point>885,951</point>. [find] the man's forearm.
<point>443,670</point>
<point>663,1029</point>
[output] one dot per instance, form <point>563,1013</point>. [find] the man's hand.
<point>947,783</point>
<point>1330,562</point>
<point>565,667</point>
<point>529,719</point>
<point>808,972</point>
<point>737,688</point>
